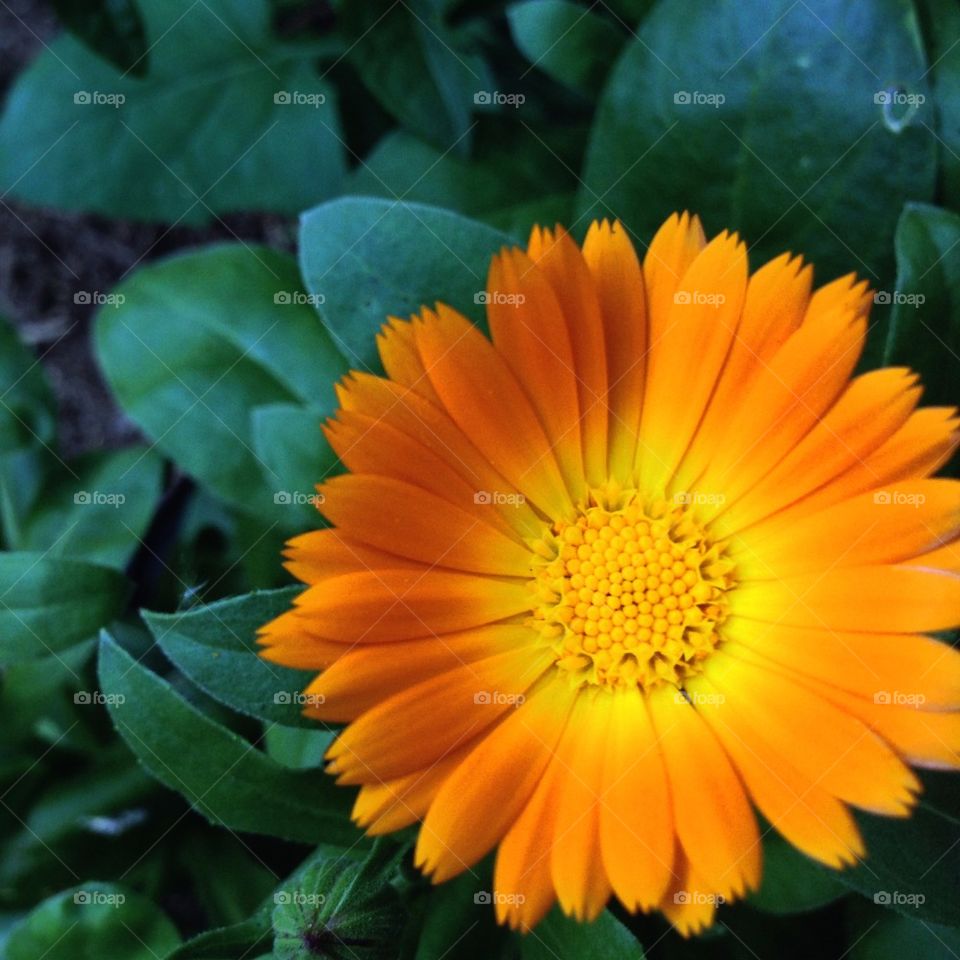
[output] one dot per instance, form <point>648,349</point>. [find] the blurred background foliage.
<point>207,208</point>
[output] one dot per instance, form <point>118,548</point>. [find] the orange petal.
<point>528,329</point>
<point>829,747</point>
<point>636,821</point>
<point>424,722</point>
<point>405,520</point>
<point>618,277</point>
<point>690,903</point>
<point>912,517</point>
<point>673,248</point>
<point>562,263</point>
<point>700,328</point>
<point>714,821</point>
<point>576,864</point>
<point>483,797</point>
<point>371,606</point>
<point>401,357</point>
<point>291,642</point>
<point>482,396</point>
<point>370,673</point>
<point>885,599</point>
<point>862,663</point>
<point>808,816</point>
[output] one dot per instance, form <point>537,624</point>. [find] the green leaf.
<point>369,258</point>
<point>48,604</point>
<point>942,27</point>
<point>222,776</point>
<point>203,339</point>
<point>559,936</point>
<point>913,866</point>
<point>485,187</point>
<point>215,646</point>
<point>27,427</point>
<point>411,63</point>
<point>569,42</point>
<point>459,922</point>
<point>242,941</point>
<point>99,510</point>
<point>339,906</point>
<point>792,882</point>
<point>201,134</point>
<point>801,153</point>
<point>111,28</point>
<point>93,921</point>
<point>877,936</point>
<point>924,330</point>
<point>290,444</point>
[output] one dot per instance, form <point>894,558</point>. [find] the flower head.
<point>647,559</point>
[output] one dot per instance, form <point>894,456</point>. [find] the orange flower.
<point>644,560</point>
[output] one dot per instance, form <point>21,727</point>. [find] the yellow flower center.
<point>631,593</point>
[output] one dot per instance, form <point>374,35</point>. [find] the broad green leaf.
<point>297,748</point>
<point>890,937</point>
<point>339,907</point>
<point>216,647</point>
<point>486,187</point>
<point>792,882</point>
<point>569,42</point>
<point>913,866</point>
<point>924,330</point>
<point>111,28</point>
<point>242,941</point>
<point>99,510</point>
<point>203,339</point>
<point>49,603</point>
<point>459,921</point>
<point>289,442</point>
<point>798,124</point>
<point>93,921</point>
<point>227,118</point>
<point>365,259</point>
<point>941,20</point>
<point>96,802</point>
<point>560,936</point>
<point>27,426</point>
<point>410,62</point>
<point>221,775</point>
